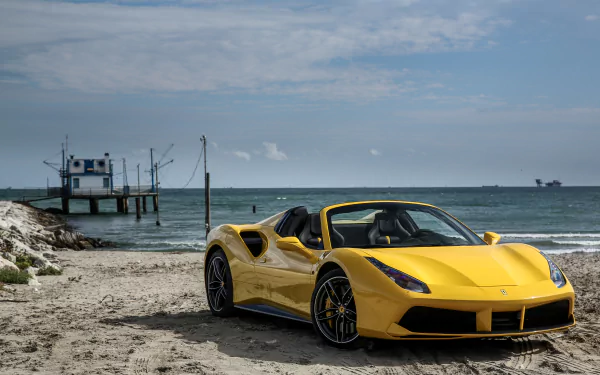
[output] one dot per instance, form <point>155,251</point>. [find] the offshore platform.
<point>554,183</point>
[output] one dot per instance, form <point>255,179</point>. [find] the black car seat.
<point>387,230</point>
<point>312,235</point>
<point>294,222</point>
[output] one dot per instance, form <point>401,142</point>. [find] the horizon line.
<point>347,187</point>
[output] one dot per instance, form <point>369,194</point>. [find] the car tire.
<point>334,319</point>
<point>219,285</point>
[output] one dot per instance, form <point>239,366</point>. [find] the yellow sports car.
<point>385,269</point>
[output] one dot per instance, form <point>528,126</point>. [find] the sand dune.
<point>146,313</point>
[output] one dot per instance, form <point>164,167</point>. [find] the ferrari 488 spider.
<point>385,269</point>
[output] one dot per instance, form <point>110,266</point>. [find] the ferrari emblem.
<point>503,292</point>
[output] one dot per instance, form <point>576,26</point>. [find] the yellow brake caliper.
<point>328,305</point>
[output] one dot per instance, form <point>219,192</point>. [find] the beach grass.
<point>10,276</point>
<point>49,271</point>
<point>23,262</point>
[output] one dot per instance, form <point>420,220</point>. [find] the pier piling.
<point>138,213</point>
<point>125,205</point>
<point>94,206</point>
<point>144,207</point>
<point>119,205</point>
<point>65,206</point>
<point>155,202</point>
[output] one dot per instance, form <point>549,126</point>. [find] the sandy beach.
<point>116,312</point>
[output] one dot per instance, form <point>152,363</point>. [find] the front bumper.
<point>406,315</point>
<point>433,323</point>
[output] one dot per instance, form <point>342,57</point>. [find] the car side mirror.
<point>491,238</point>
<point>293,244</point>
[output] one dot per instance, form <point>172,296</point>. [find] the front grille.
<point>506,321</point>
<point>549,315</point>
<point>431,320</point>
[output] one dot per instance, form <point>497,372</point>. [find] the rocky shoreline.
<point>30,238</point>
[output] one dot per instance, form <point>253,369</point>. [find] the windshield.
<point>392,224</point>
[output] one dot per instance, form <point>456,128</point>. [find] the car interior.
<point>297,222</point>
<point>385,227</point>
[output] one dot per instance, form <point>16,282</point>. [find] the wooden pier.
<point>121,201</point>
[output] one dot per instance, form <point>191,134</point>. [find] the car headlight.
<point>555,274</point>
<point>403,280</point>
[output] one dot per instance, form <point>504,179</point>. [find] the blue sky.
<point>306,93</point>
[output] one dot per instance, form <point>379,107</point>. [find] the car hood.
<point>499,265</point>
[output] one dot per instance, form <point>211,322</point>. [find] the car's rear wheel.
<point>333,310</point>
<point>219,285</point>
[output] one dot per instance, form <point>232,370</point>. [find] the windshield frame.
<point>453,222</point>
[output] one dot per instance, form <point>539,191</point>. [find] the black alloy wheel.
<point>333,310</point>
<point>219,285</point>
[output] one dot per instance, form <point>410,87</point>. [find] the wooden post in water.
<point>207,223</point>
<point>125,205</point>
<point>144,207</point>
<point>156,197</point>
<point>65,206</point>
<point>207,202</point>
<point>138,212</point>
<point>120,205</point>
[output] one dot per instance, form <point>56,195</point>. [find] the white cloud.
<point>273,153</point>
<point>242,155</point>
<point>503,116</point>
<point>113,48</point>
<point>480,100</point>
<point>374,152</point>
<point>592,17</point>
<point>435,86</point>
<point>215,145</point>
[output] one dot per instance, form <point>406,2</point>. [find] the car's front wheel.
<point>219,285</point>
<point>333,310</point>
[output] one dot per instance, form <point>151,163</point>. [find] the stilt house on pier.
<point>92,179</point>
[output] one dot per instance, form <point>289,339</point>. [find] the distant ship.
<point>554,183</point>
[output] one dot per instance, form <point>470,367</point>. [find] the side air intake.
<point>254,242</point>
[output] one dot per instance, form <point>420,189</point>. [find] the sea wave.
<point>558,243</point>
<point>572,250</point>
<point>550,235</point>
<point>165,245</point>
<point>578,242</point>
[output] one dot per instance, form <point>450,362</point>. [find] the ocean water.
<point>562,219</point>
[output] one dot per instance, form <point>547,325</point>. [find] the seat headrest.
<point>300,211</point>
<point>386,222</point>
